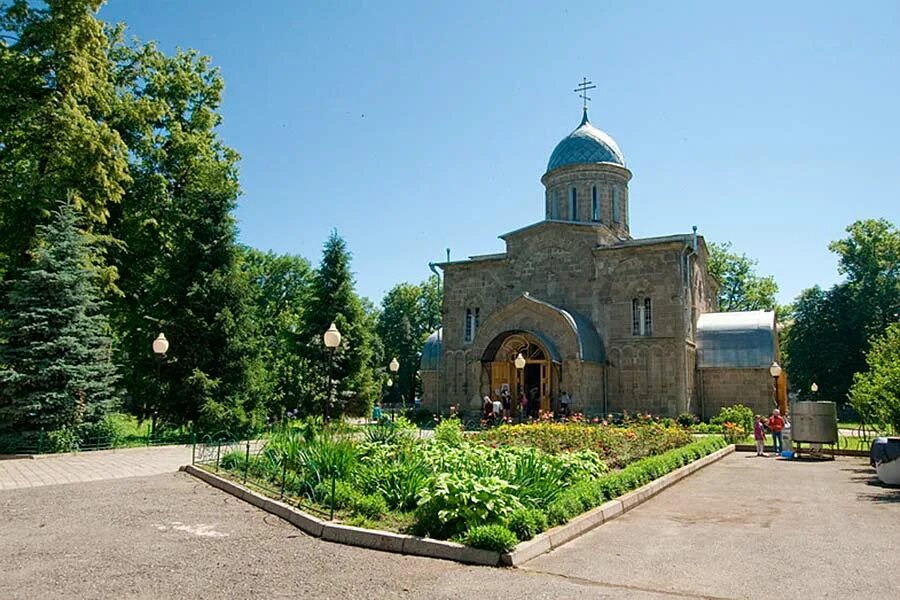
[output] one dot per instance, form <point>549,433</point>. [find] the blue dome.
<point>432,351</point>
<point>585,145</point>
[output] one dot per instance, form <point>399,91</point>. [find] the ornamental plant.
<point>455,502</point>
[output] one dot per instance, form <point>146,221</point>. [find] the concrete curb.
<point>556,537</point>
<point>352,536</point>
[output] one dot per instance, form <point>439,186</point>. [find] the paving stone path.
<point>91,466</point>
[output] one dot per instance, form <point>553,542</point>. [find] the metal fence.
<point>209,451</point>
<point>41,442</point>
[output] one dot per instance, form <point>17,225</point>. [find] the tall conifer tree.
<point>55,350</point>
<point>334,300</point>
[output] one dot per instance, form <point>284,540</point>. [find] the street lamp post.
<point>160,347</point>
<point>394,367</point>
<point>332,339</point>
<point>775,372</point>
<point>520,365</point>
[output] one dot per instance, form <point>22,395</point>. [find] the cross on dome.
<point>583,87</point>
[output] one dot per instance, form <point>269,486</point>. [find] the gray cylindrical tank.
<point>814,422</point>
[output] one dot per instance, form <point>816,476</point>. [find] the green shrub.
<point>233,461</point>
<point>490,537</point>
<point>686,419</point>
<point>323,458</point>
<point>588,494</point>
<point>381,433</point>
<point>449,431</point>
<point>370,506</point>
<point>738,414</point>
<point>454,502</point>
<point>344,494</point>
<point>527,523</point>
<point>566,507</point>
<point>62,440</point>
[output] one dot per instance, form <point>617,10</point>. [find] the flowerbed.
<point>617,446</point>
<point>489,491</point>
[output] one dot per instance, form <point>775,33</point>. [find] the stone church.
<point>620,324</point>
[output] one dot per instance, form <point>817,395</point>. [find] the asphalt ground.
<point>741,528</point>
<point>749,527</point>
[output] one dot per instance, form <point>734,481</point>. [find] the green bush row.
<point>589,494</point>
<point>525,523</point>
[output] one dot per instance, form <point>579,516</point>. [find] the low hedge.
<point>590,494</point>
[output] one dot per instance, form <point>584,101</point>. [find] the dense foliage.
<point>127,136</point>
<point>740,288</point>
<point>463,487</point>
<point>876,393</point>
<point>54,340</point>
<point>832,330</point>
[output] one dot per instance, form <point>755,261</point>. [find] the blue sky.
<point>413,127</point>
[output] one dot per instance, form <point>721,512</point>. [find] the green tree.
<point>870,259</point>
<point>830,331</point>
<point>281,290</point>
<point>55,348</point>
<point>56,105</point>
<point>179,262</point>
<point>876,393</point>
<point>822,342</point>
<point>334,300</point>
<point>740,288</point>
<point>409,314</point>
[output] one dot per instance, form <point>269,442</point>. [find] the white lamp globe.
<point>394,365</point>
<point>332,337</point>
<point>775,370</point>
<point>520,361</point>
<point>160,345</point>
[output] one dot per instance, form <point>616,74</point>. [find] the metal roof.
<point>590,347</point>
<point>432,351</point>
<point>743,340</point>
<point>585,145</point>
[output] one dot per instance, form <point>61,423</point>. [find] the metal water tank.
<point>814,422</point>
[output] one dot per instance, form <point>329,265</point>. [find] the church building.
<point>618,323</point>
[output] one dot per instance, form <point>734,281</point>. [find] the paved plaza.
<point>91,466</point>
<point>741,528</point>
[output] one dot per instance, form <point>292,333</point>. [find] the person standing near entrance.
<point>506,400</point>
<point>564,401</point>
<point>487,409</point>
<point>775,425</point>
<point>523,406</point>
<point>759,435</point>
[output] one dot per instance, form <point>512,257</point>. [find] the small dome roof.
<point>432,351</point>
<point>585,145</point>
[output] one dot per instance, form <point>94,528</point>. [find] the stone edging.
<point>409,544</point>
<point>556,537</point>
<point>352,536</point>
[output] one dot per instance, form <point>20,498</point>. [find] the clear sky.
<point>418,126</point>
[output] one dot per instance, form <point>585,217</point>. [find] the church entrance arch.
<point>537,379</point>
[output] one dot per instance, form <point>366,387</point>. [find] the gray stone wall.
<point>725,387</point>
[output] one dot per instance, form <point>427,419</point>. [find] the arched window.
<point>616,209</point>
<point>573,204</point>
<point>641,317</point>
<point>473,316</point>
<point>595,205</point>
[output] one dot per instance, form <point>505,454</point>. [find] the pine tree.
<point>55,349</point>
<point>335,301</point>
